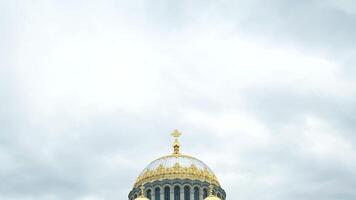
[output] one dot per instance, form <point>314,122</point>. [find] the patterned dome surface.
<point>171,160</point>
<point>176,166</point>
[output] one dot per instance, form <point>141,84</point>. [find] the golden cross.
<point>176,144</point>
<point>176,134</point>
<point>142,190</point>
<point>211,187</point>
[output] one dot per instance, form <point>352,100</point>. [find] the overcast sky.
<point>264,93</point>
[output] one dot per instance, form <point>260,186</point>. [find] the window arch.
<point>205,193</point>
<point>196,193</point>
<point>186,193</point>
<point>148,194</point>
<point>167,193</point>
<point>176,193</point>
<point>158,194</point>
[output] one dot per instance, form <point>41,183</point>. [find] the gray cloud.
<point>263,91</point>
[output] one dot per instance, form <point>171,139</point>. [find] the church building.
<point>177,177</point>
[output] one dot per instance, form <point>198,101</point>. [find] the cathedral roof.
<point>170,160</point>
<point>176,166</point>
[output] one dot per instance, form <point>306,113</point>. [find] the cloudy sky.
<point>263,91</point>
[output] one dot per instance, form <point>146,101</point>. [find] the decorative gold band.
<point>177,172</point>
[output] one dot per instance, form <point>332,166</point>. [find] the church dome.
<point>183,160</point>
<point>141,198</point>
<point>212,197</point>
<point>176,177</point>
<point>177,166</point>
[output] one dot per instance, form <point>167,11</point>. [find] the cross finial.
<point>142,190</point>
<point>176,134</point>
<point>176,144</point>
<point>211,187</point>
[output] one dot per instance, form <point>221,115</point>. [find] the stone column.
<point>162,193</point>
<point>201,191</point>
<point>192,194</point>
<point>172,194</point>
<point>182,194</point>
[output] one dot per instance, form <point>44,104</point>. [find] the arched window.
<point>219,195</point>
<point>135,196</point>
<point>205,193</point>
<point>186,193</point>
<point>148,194</point>
<point>167,193</point>
<point>196,193</point>
<point>157,194</point>
<point>176,193</point>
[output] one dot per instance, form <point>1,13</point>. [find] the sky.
<point>263,92</point>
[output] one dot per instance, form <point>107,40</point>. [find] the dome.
<point>171,160</point>
<point>212,197</point>
<point>174,176</point>
<point>176,166</point>
<point>141,198</point>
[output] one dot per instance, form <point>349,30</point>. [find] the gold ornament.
<point>211,196</point>
<point>176,144</point>
<point>142,196</point>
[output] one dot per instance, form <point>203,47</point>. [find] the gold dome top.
<point>211,196</point>
<point>176,166</point>
<point>142,196</point>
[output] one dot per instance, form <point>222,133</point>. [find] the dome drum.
<point>198,190</point>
